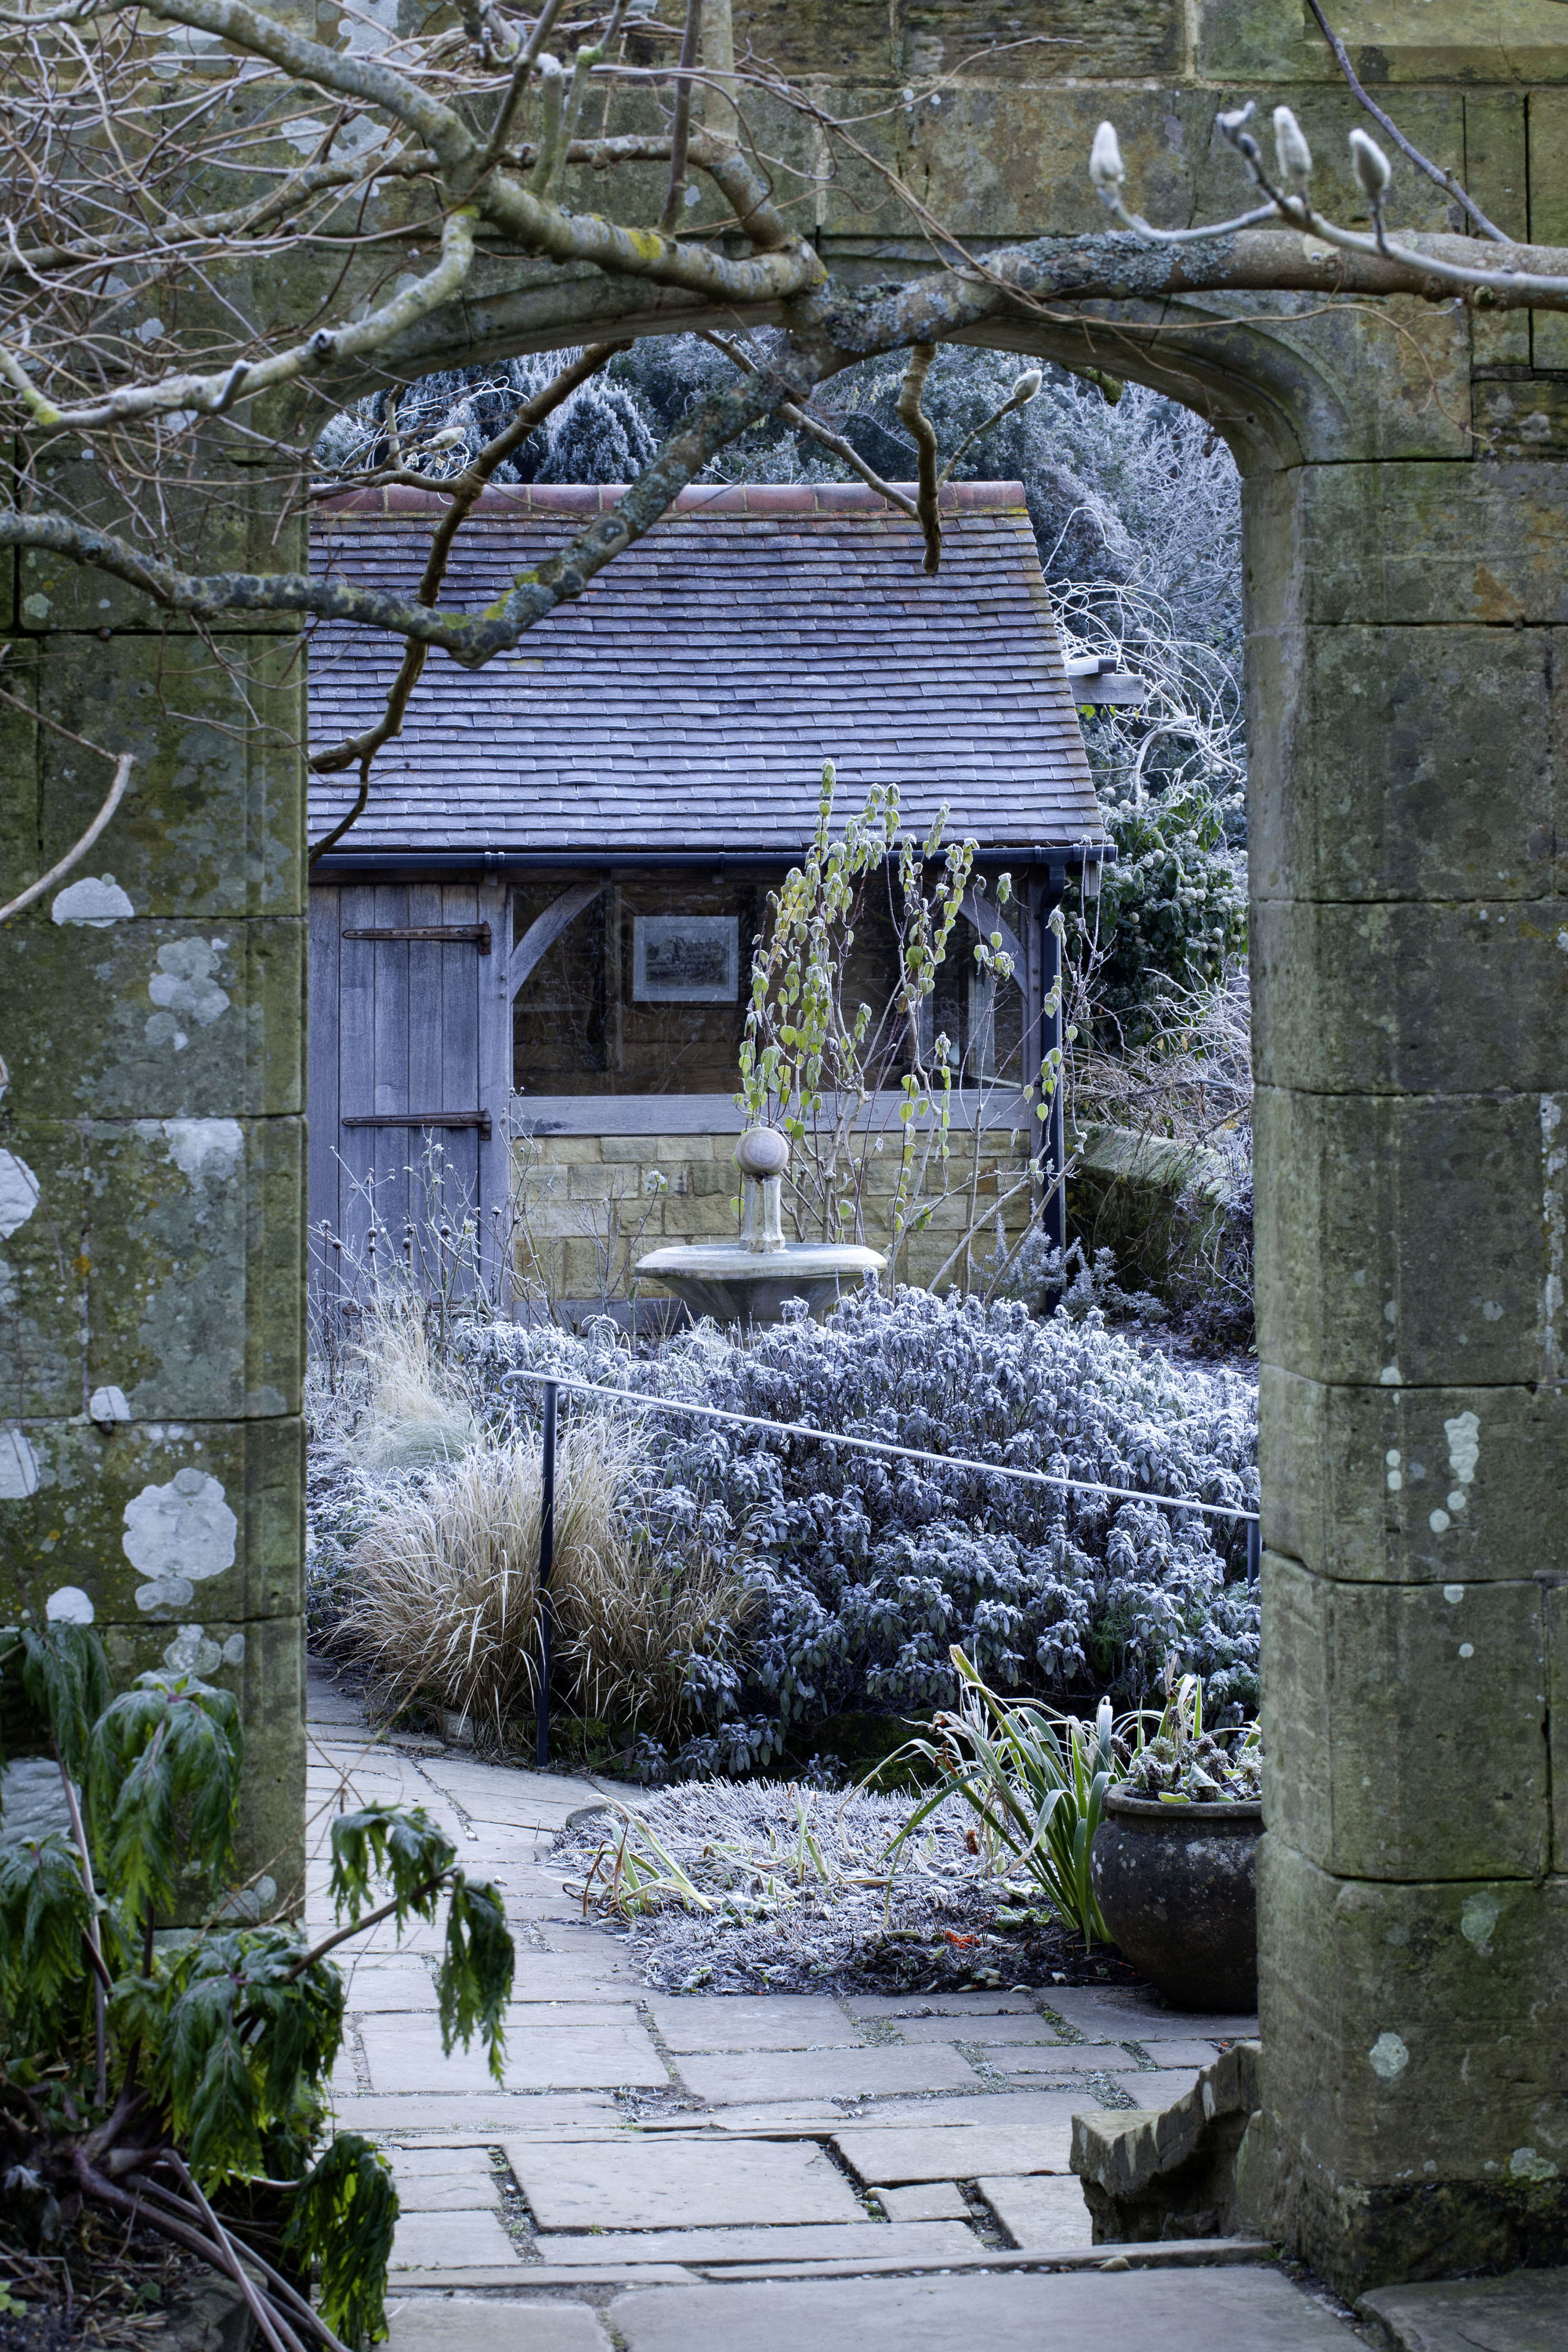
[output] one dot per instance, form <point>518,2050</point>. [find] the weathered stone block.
<point>1410,998</point>
<point>1354,1480</point>
<point>588,1181</point>
<point>1373,1697</point>
<point>43,1184</point>
<point>152,1521</point>
<point>1416,2042</point>
<point>195,1255</point>
<point>1413,545</point>
<point>170,1019</point>
<point>578,1266</point>
<point>1555,1586</point>
<point>1443,41</point>
<point>212,825</point>
<point>565,1151</point>
<point>1411,763</point>
<point>1402,1239</point>
<point>705,1217</point>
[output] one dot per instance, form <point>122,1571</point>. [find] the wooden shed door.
<point>410,1079</point>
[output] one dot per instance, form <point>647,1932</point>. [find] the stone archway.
<point>1405,603</point>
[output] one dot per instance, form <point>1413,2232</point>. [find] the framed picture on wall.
<point>686,959</point>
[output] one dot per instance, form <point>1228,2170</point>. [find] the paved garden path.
<point>719,2174</point>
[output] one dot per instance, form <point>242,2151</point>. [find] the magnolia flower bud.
<point>1372,166</point>
<point>1291,148</point>
<point>1028,383</point>
<point>1105,166</point>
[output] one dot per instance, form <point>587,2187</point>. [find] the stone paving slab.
<point>927,2201</point>
<point>1063,2058</point>
<point>1039,2209</point>
<point>426,2240</point>
<point>453,2324</point>
<point>547,1975</point>
<point>962,2152</point>
<point>945,2004</point>
<point>1525,2311</point>
<point>777,2115</point>
<point>1002,2312</point>
<point>753,2021</point>
<point>672,2183</point>
<point>980,2027</point>
<point>933,2241</point>
<point>1117,2013</point>
<point>489,2113</point>
<point>404,2053</point>
<point>847,2073</point>
<point>449,2192</point>
<point>1189,2053</point>
<point>1044,2109</point>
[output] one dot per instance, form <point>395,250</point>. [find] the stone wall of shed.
<point>581,1199</point>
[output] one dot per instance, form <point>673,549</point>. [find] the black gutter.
<point>338,865</point>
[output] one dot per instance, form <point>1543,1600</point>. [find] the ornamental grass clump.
<point>1037,1781</point>
<point>444,1597</point>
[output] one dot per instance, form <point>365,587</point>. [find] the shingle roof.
<point>688,700</point>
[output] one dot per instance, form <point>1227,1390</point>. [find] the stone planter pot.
<point>1178,1888</point>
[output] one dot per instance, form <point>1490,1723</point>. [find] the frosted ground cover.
<point>800,1897</point>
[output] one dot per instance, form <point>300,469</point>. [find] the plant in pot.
<point>1173,1860</point>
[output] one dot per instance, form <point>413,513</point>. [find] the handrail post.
<point>546,1571</point>
<point>1254,1550</point>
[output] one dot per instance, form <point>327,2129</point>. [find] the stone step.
<point>1526,2311</point>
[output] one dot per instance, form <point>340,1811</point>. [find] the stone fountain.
<point>749,1280</point>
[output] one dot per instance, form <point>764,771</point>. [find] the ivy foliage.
<point>152,2071</point>
<point>1172,915</point>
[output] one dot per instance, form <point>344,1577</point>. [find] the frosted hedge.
<point>863,1572</point>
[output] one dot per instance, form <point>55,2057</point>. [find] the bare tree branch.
<point>209,395</point>
<point>804,422</point>
<point>73,856</point>
<point>1435,171</point>
<point>918,425</point>
<point>680,132</point>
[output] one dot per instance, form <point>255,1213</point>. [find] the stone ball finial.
<point>763,1151</point>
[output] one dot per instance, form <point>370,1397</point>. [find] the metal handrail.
<point>553,1382</point>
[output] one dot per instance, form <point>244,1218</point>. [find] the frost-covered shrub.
<point>864,1572</point>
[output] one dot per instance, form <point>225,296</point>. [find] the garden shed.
<point>530,955</point>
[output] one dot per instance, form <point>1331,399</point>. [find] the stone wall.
<point>581,1199</point>
<point>152,1132</point>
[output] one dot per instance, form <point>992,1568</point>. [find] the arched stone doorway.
<point>1403,592</point>
<point>1405,589</point>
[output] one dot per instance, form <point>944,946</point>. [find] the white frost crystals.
<point>177,1535</point>
<point>97,900</point>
